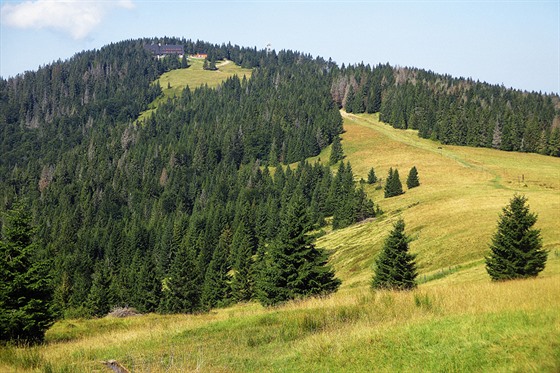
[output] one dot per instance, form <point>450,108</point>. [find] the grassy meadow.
<point>173,82</point>
<point>456,321</point>
<point>453,214</point>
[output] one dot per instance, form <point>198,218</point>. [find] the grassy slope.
<point>453,213</point>
<point>458,321</point>
<point>175,81</point>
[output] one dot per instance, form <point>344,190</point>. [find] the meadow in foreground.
<point>456,320</point>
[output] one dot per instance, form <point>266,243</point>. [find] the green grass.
<point>457,320</point>
<point>175,81</point>
<point>510,326</point>
<point>452,215</point>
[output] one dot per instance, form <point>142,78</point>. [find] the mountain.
<point>163,172</point>
<point>115,198</point>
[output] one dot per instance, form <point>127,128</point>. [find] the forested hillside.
<point>124,208</point>
<point>200,190</point>
<point>454,111</point>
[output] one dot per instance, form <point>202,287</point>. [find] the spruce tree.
<point>181,288</point>
<point>242,248</point>
<point>98,302</point>
<point>343,195</point>
<point>371,177</point>
<point>292,266</point>
<point>516,248</point>
<point>393,185</point>
<point>363,206</point>
<point>336,151</point>
<point>395,267</point>
<point>217,282</point>
<point>25,285</point>
<point>412,180</point>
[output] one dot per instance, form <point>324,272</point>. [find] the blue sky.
<point>514,43</point>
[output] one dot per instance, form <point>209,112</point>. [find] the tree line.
<point>454,111</point>
<point>196,207</point>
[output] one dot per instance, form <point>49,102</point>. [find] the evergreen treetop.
<point>393,185</point>
<point>516,249</point>
<point>337,153</point>
<point>25,284</point>
<point>412,180</point>
<point>371,178</point>
<point>292,266</point>
<point>395,267</point>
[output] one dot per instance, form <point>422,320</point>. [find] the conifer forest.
<point>210,200</point>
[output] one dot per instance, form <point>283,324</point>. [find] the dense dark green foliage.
<point>134,214</point>
<point>452,110</point>
<point>292,266</point>
<point>412,180</point>
<point>337,153</point>
<point>25,288</point>
<point>395,267</point>
<point>371,177</point>
<point>516,248</point>
<point>209,65</point>
<point>393,185</point>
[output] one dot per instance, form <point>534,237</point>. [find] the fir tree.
<point>217,282</point>
<point>99,301</point>
<point>25,289</point>
<point>516,248</point>
<point>292,266</point>
<point>371,177</point>
<point>395,267</point>
<point>393,185</point>
<point>336,151</point>
<point>181,292</point>
<point>344,197</point>
<point>242,248</point>
<point>412,180</point>
<point>363,206</point>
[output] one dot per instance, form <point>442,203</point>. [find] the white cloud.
<point>78,18</point>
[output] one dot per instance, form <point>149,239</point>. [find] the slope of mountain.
<point>118,201</point>
<point>456,320</point>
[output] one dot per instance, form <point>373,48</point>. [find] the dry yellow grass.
<point>453,214</point>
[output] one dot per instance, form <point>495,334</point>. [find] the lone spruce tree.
<point>337,153</point>
<point>395,268</point>
<point>371,177</point>
<point>293,267</point>
<point>516,248</point>
<point>25,287</point>
<point>412,180</point>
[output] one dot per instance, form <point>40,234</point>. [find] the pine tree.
<point>343,194</point>
<point>181,288</point>
<point>25,285</point>
<point>350,97</point>
<point>363,206</point>
<point>395,267</point>
<point>336,151</point>
<point>516,248</point>
<point>371,177</point>
<point>98,302</point>
<point>242,248</point>
<point>217,282</point>
<point>393,185</point>
<point>412,180</point>
<point>292,266</point>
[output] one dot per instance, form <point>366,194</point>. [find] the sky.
<point>511,43</point>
